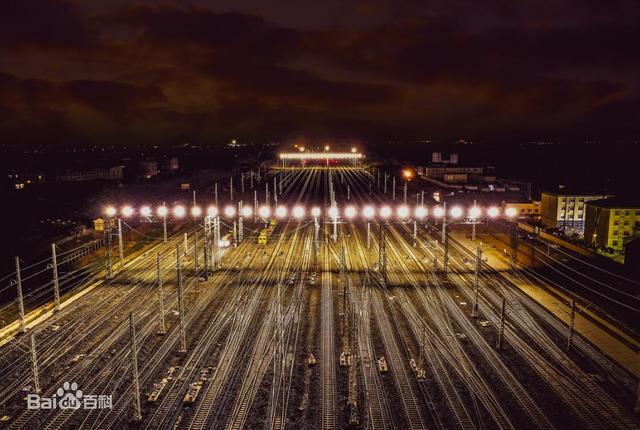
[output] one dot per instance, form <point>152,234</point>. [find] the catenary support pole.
<point>34,365</point>
<point>56,284</point>
<point>162,328</point>
<point>137,410</point>
<point>23,326</point>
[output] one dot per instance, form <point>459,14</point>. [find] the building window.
<point>626,213</point>
<point>615,232</point>
<point>616,213</point>
<point>614,243</point>
<point>615,223</point>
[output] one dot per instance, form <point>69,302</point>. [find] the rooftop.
<point>616,203</point>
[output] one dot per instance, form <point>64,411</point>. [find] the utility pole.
<point>405,192</point>
<point>266,192</point>
<point>235,233</point>
<point>514,246</point>
<point>393,188</point>
<point>446,254</point>
<point>195,261</point>
<point>120,244</point>
<point>207,242</point>
<point>215,194</point>
<point>501,329</point>
<point>34,366</point>
<point>56,285</point>
<point>422,198</point>
<point>444,221</point>
<point>183,341</point>
<point>109,268</point>
<point>164,223</point>
<point>476,281</point>
<point>368,235</point>
<point>255,205</point>
<point>348,193</point>
<point>572,325</point>
<point>137,410</point>
<point>240,229</point>
<point>231,189</point>
<point>385,182</point>
<point>162,329</point>
<point>415,232</point>
<point>186,244</point>
<point>242,182</point>
<point>23,326</point>
<point>473,225</point>
<point>378,181</point>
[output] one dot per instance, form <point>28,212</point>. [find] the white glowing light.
<point>298,212</point>
<point>493,212</point>
<point>162,211</point>
<point>196,211</point>
<point>438,212</point>
<point>420,212</point>
<point>212,211</point>
<point>456,212</point>
<point>110,211</point>
<point>333,212</point>
<point>385,211</point>
<point>145,211</point>
<point>350,212</point>
<point>281,212</point>
<point>315,212</point>
<point>511,212</point>
<point>246,211</point>
<point>224,243</point>
<point>127,211</point>
<point>475,212</point>
<point>368,212</point>
<point>320,155</point>
<point>402,212</point>
<point>230,211</point>
<point>179,211</point>
<point>264,212</point>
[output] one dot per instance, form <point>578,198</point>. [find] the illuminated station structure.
<point>327,157</point>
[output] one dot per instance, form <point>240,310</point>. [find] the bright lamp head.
<point>475,212</point>
<point>264,212</point>
<point>298,212</point>
<point>110,211</point>
<point>438,212</point>
<point>229,211</point>
<point>420,212</point>
<point>281,212</point>
<point>333,212</point>
<point>493,212</point>
<point>402,212</point>
<point>385,212</point>
<point>196,211</point>
<point>368,212</point>
<point>315,212</point>
<point>179,211</point>
<point>350,212</point>
<point>511,212</point>
<point>145,211</point>
<point>246,211</point>
<point>212,211</point>
<point>456,212</point>
<point>162,211</point>
<point>127,211</point>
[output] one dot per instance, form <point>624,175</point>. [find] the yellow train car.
<point>263,237</point>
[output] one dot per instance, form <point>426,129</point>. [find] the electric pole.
<point>137,410</point>
<point>120,244</point>
<point>474,310</point>
<point>183,341</point>
<point>34,366</point>
<point>56,285</point>
<point>572,325</point>
<point>23,326</point>
<point>501,329</point>
<point>160,295</point>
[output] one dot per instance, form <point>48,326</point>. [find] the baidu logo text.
<point>69,397</point>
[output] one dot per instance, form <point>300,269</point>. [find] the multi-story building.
<point>612,223</point>
<point>111,173</point>
<point>565,209</point>
<point>524,208</point>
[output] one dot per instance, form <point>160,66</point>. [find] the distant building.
<point>524,208</point>
<point>109,174</point>
<point>456,178</point>
<point>612,223</point>
<point>438,172</point>
<point>565,209</point>
<point>148,167</point>
<point>169,165</point>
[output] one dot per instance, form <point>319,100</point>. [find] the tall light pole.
<point>56,285</point>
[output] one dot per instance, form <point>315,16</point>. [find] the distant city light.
<point>407,174</point>
<point>354,150</point>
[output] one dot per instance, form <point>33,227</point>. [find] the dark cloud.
<point>447,68</point>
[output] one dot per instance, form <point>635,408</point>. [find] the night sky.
<point>121,72</point>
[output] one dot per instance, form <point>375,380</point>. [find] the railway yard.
<point>313,324</point>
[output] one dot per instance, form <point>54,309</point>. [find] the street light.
<point>298,212</point>
<point>179,211</point>
<point>264,212</point>
<point>246,211</point>
<point>110,211</point>
<point>333,212</point>
<point>385,212</point>
<point>420,212</point>
<point>493,212</point>
<point>402,212</point>
<point>196,211</point>
<point>212,211</point>
<point>475,212</point>
<point>438,212</point>
<point>127,211</point>
<point>368,212</point>
<point>350,212</point>
<point>281,212</point>
<point>456,212</point>
<point>315,212</point>
<point>162,211</point>
<point>229,211</point>
<point>145,211</point>
<point>511,212</point>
